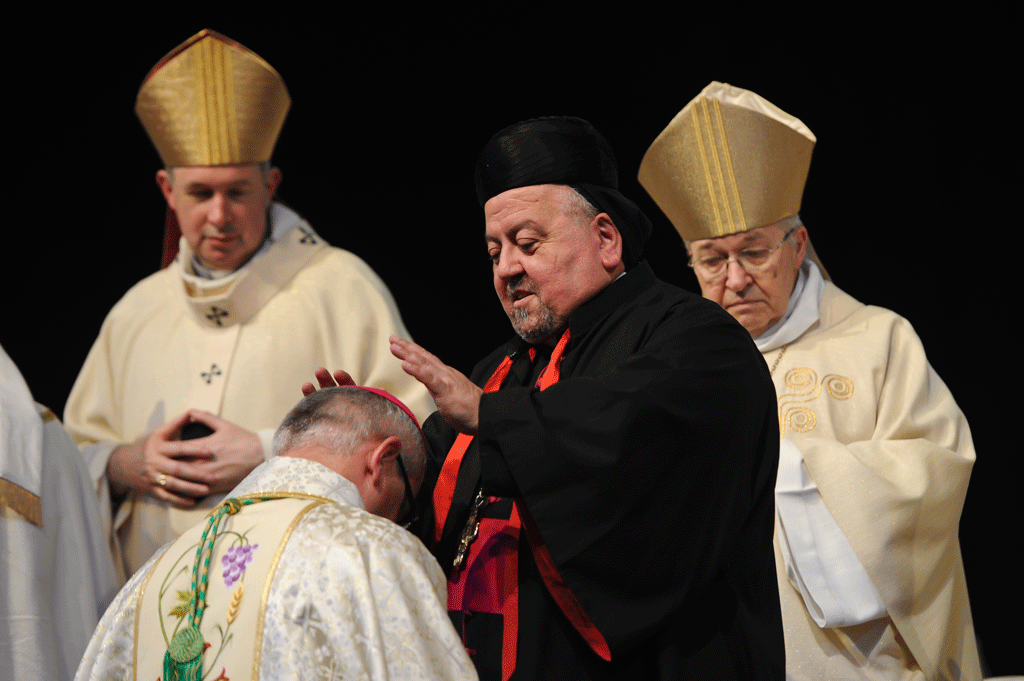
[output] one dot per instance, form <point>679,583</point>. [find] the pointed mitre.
<point>730,161</point>
<point>210,102</point>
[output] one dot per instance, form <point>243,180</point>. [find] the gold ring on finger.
<point>162,480</point>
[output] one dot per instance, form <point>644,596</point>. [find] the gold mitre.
<point>730,161</point>
<point>211,102</point>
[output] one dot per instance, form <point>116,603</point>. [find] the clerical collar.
<point>277,230</point>
<point>802,311</point>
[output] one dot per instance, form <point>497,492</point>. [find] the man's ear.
<point>274,178</point>
<point>382,456</point>
<point>610,241</point>
<point>800,240</point>
<point>163,180</point>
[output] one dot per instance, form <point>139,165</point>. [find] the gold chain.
<point>776,364</point>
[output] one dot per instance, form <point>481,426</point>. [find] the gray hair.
<point>792,222</point>
<point>342,419</point>
<point>579,207</point>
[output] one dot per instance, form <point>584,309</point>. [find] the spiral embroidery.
<point>800,419</point>
<point>839,387</point>
<point>801,380</point>
<point>802,386</point>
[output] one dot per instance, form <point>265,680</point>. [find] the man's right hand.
<point>326,380</point>
<point>157,458</point>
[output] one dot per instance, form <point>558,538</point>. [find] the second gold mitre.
<point>211,101</point>
<point>729,162</point>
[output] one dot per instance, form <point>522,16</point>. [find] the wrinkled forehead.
<point>536,204</point>
<point>760,236</point>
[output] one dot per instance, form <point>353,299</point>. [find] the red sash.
<point>498,573</point>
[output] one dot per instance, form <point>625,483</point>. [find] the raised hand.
<point>457,398</point>
<point>327,380</point>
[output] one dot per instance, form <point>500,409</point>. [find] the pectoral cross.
<point>470,532</point>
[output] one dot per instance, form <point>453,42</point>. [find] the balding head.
<point>359,434</point>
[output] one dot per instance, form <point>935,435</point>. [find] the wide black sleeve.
<point>649,470</point>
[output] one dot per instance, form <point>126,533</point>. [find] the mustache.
<point>520,281</point>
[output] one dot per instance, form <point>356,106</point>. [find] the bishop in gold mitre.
<point>875,455</point>
<point>197,363</point>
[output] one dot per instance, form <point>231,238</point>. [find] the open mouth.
<point>519,296</point>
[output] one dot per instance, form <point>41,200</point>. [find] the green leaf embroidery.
<point>184,602</point>
<point>179,611</point>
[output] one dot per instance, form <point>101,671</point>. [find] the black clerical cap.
<point>562,150</point>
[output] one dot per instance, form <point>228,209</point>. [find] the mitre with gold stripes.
<point>729,162</point>
<point>211,101</point>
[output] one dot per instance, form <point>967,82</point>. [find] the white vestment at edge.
<point>890,454</point>
<point>57,576</point>
<point>239,347</point>
<point>342,594</point>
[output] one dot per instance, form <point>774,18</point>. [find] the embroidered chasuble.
<point>240,575</point>
<point>306,586</point>
<point>238,347</point>
<point>890,454</point>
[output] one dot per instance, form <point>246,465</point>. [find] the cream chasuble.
<point>240,347</point>
<point>310,586</point>
<point>891,454</point>
<point>57,573</point>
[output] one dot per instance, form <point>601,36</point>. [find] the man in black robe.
<point>603,504</point>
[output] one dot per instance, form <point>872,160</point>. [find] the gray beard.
<point>547,324</point>
<point>545,328</point>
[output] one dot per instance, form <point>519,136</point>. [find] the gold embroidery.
<point>839,387</point>
<point>258,648</point>
<point>236,600</point>
<point>803,386</point>
<point>800,419</point>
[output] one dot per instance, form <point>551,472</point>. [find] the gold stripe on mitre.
<point>211,101</point>
<point>729,162</point>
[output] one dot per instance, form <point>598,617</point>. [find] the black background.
<point>907,201</point>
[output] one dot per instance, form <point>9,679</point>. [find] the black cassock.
<point>648,470</point>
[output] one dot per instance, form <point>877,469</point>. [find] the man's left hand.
<point>233,451</point>
<point>457,398</point>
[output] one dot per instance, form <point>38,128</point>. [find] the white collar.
<point>801,313</point>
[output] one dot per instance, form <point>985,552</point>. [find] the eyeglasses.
<point>412,515</point>
<point>753,260</point>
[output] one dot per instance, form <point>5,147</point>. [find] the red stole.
<point>495,587</point>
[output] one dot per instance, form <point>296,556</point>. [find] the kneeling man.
<point>294,575</point>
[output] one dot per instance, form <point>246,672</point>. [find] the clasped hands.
<point>457,398</point>
<point>181,472</point>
